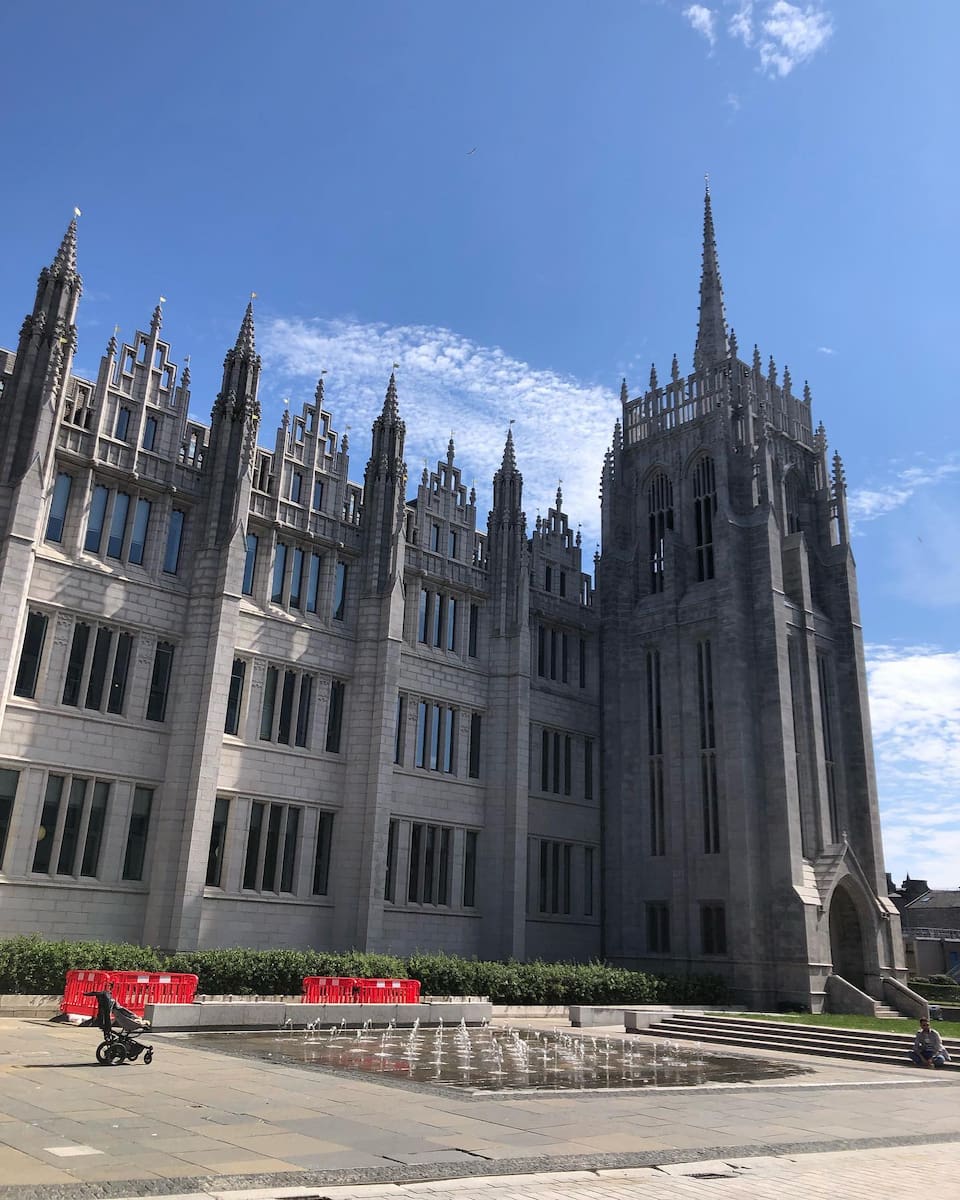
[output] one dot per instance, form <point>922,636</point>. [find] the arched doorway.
<point>846,939</point>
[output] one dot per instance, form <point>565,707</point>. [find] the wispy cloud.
<point>447,383</point>
<point>703,21</point>
<point>826,350</point>
<point>869,502</point>
<point>915,711</point>
<point>781,34</point>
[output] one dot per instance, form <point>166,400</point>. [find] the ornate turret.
<point>48,339</point>
<point>384,493</point>
<point>507,542</point>
<point>233,434</point>
<point>712,343</point>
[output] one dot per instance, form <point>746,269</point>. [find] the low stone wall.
<point>42,1007</point>
<point>249,1013</point>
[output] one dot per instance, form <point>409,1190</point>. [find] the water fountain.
<point>487,1057</point>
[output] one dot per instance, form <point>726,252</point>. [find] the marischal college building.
<point>247,701</point>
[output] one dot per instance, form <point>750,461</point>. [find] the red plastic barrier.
<point>329,989</point>
<point>339,989</point>
<point>131,989</point>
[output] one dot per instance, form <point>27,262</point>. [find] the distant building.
<point>930,919</point>
<point>247,701</point>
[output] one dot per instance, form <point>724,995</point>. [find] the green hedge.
<point>31,965</point>
<point>937,993</point>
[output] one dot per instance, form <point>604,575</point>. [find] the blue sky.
<point>506,199</point>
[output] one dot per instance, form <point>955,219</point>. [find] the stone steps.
<point>862,1045</point>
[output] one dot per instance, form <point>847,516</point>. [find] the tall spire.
<point>712,344</point>
<point>246,341</point>
<point>65,261</point>
<point>509,462</point>
<point>391,407</point>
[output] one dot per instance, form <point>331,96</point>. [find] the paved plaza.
<point>200,1124</point>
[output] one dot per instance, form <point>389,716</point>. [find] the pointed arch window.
<point>660,514</point>
<point>704,509</point>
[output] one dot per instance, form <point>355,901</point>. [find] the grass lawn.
<point>946,1029</point>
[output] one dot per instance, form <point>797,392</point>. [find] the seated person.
<point>928,1048</point>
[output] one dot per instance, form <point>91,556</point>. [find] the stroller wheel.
<point>102,1052</point>
<point>148,1057</point>
<point>114,1054</point>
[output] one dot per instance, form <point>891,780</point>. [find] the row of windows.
<point>440,620</point>
<point>275,839</point>
<point>119,524</point>
<point>296,580</point>
<point>437,743</point>
<point>562,878</point>
<point>713,928</point>
<point>660,519</point>
<point>76,816</point>
<point>554,655</point>
<point>433,865</point>
<point>286,709</point>
<point>557,763</point>
<point>709,792</point>
<point>97,669</point>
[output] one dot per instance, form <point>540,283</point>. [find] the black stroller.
<point>118,1025</point>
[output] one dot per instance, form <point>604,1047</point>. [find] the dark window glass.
<point>98,510</point>
<point>138,538</point>
<point>286,706</point>
<point>118,525</point>
<point>29,669</point>
<point>78,656</point>
<point>96,820</point>
<point>136,852</point>
<point>232,722</point>
<point>49,816</point>
<point>473,769</point>
<point>249,564</point>
<point>335,717</point>
<point>318,494</point>
<point>123,424</point>
<point>296,578</point>
<point>149,433</point>
<point>288,863</point>
<point>302,734</point>
<point>472,640</point>
<point>8,794</point>
<point>272,848</point>
<point>160,682</point>
<point>390,883</point>
<point>252,856</point>
<point>321,862</point>
<point>118,679</point>
<point>73,819</point>
<point>340,592</point>
<point>98,668</point>
<point>58,508</point>
<point>269,704</point>
<point>587,769</point>
<point>279,570</point>
<point>171,556</point>
<point>218,839</point>
<point>470,869</point>
<point>313,584</point>
<point>296,484</point>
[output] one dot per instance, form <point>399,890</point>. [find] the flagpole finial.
<point>253,295</point>
<point>77,212</point>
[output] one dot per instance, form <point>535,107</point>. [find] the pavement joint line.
<point>304,1183</point>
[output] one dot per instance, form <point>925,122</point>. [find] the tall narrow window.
<point>472,637</point>
<point>58,507</point>
<point>390,881</point>
<point>301,736</point>
<point>340,592</point>
<point>33,638</point>
<point>658,927</point>
<point>249,564</point>
<point>400,728</point>
<point>279,571</point>
<point>93,839</point>
<point>98,668</point>
<point>321,860</point>
<point>829,736</point>
<point>473,769</point>
<point>423,615</point>
<point>335,717</point>
<point>583,662</point>
<point>541,651</point>
<point>288,854</point>
<point>708,750</point>
<point>423,733</point>
<point>312,602</point>
<point>713,929</point>
<point>123,424</point>
<point>545,761</point>
<point>451,543</point>
<point>567,763</point>
<point>171,555</point>
<point>118,525</point>
<point>436,631</point>
<point>149,433</point>
<point>8,794</point>
<point>470,868</point>
<point>73,682</point>
<point>98,511</point>
<point>251,862</point>
<point>235,696</point>
<point>451,623</point>
<point>660,518</point>
<point>588,768</point>
<point>296,486</point>
<point>135,854</point>
<point>160,682</point>
<point>118,676</point>
<point>218,841</point>
<point>138,538</point>
<point>318,494</point>
<point>435,538</point>
<point>49,820</point>
<point>296,579</point>
<point>658,833</point>
<point>588,881</point>
<point>269,704</point>
<point>70,832</point>
<point>704,508</point>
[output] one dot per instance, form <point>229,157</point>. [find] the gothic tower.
<point>742,830</point>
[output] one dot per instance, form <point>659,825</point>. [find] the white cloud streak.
<point>447,383</point>
<point>915,712</point>
<point>781,34</point>
<point>703,21</point>
<point>868,503</point>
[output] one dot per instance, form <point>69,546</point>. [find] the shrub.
<point>33,965</point>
